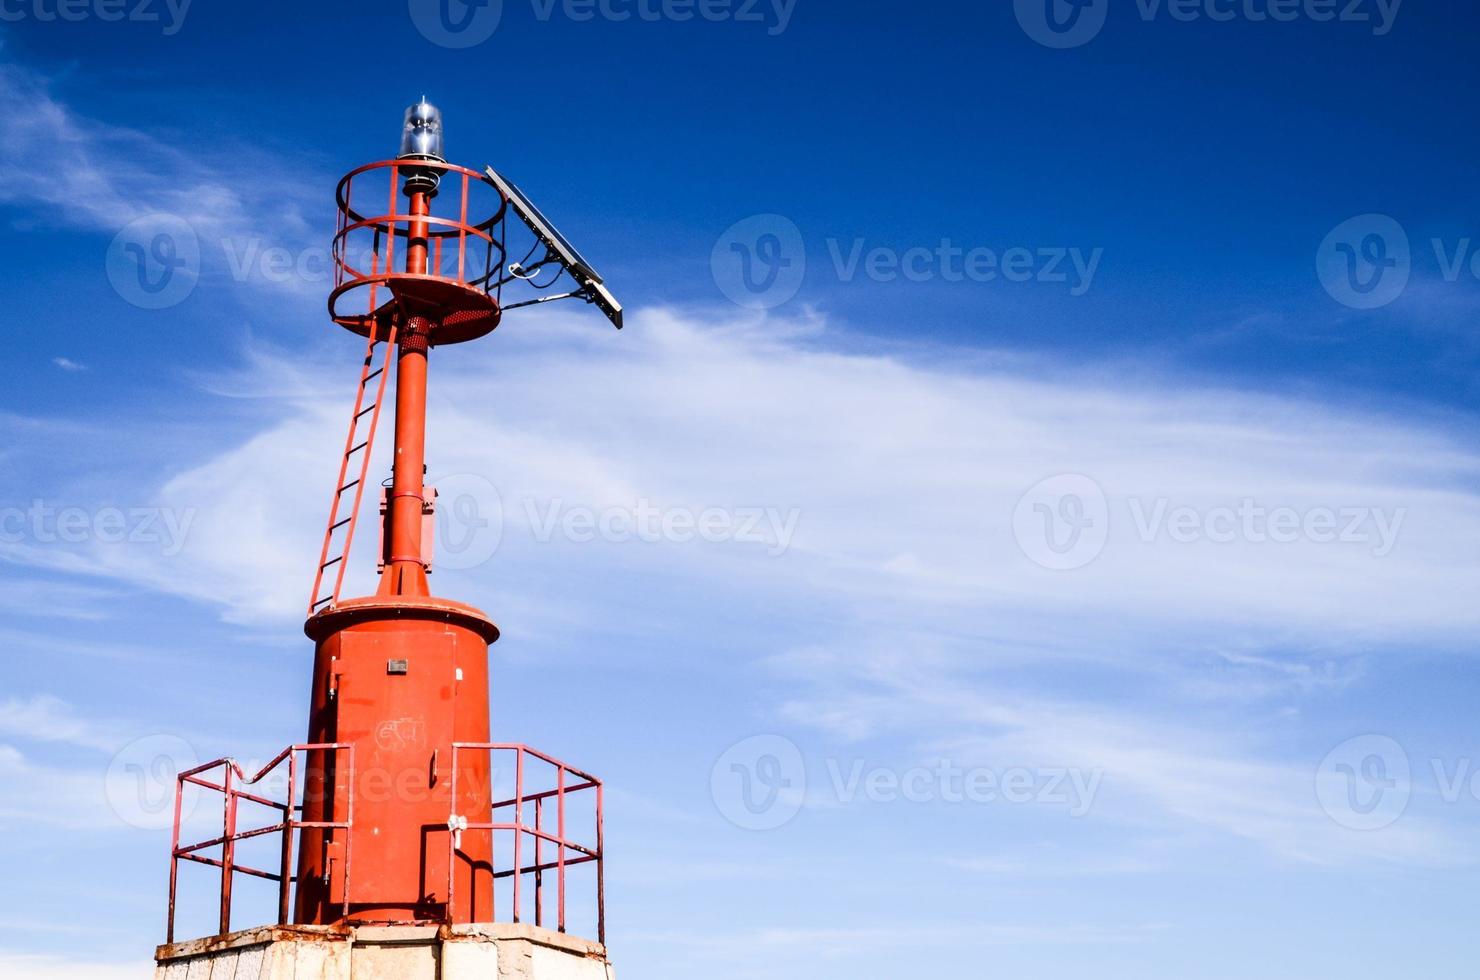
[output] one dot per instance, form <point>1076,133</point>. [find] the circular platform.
<point>391,608</point>
<point>458,312</point>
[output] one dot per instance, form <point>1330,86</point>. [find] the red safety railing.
<point>231,787</point>
<point>542,838</point>
<point>461,235</point>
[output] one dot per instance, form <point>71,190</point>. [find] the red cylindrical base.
<point>401,680</point>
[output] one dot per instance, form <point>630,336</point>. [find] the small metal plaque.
<point>397,666</point>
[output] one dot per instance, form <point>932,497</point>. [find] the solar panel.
<point>593,289</point>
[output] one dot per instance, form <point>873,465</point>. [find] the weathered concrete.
<point>501,951</point>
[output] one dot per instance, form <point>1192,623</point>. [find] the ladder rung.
<point>332,561</point>
<point>358,448</point>
<point>372,375</point>
<point>368,410</point>
<point>349,484</point>
<point>322,601</point>
<point>335,527</point>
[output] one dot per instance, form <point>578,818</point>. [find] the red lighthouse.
<point>398,812</point>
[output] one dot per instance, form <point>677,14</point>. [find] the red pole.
<point>405,574</point>
<point>174,860</point>
<point>560,851</point>
<point>285,872</point>
<point>228,850</point>
<point>539,876</point>
<point>518,823</point>
<point>600,869</point>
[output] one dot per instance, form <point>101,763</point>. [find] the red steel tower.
<point>395,803</point>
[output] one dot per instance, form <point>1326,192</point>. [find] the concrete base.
<point>474,952</point>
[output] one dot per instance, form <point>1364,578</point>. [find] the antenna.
<point>557,250</point>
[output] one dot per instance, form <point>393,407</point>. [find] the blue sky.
<point>1096,420</point>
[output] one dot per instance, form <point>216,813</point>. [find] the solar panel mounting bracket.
<point>590,285</point>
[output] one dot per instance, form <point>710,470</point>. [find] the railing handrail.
<point>459,823</point>
<point>569,852</point>
<point>230,835</point>
<point>396,223</point>
<point>517,747</point>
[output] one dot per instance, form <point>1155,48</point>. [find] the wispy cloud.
<point>67,364</point>
<point>37,599</point>
<point>44,718</point>
<point>910,505</point>
<point>101,177</point>
<point>1165,767</point>
<point>906,473</point>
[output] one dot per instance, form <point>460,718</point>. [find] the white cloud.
<point>56,600</point>
<point>906,474</point>
<point>67,364</point>
<point>43,718</point>
<point>1162,766</point>
<point>101,177</point>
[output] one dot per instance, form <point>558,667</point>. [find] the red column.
<point>405,574</point>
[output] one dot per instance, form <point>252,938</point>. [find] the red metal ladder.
<point>353,445</point>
